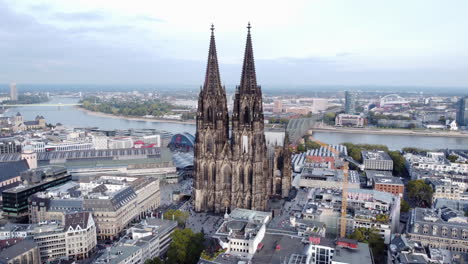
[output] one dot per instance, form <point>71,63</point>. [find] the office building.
<point>73,239</point>
<point>350,120</point>
<point>462,111</point>
<point>15,200</point>
<point>114,201</point>
<point>8,146</point>
<point>350,102</point>
<point>242,231</point>
<point>121,255</point>
<point>433,163</point>
<point>153,235</point>
<point>445,189</point>
<point>390,184</point>
<point>377,160</point>
<point>277,106</point>
<point>311,177</point>
<point>13,92</point>
<point>10,175</point>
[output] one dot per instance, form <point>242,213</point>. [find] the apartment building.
<point>377,160</point>
<point>114,201</point>
<point>443,228</point>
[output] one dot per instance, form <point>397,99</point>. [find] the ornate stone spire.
<point>212,77</point>
<point>248,82</point>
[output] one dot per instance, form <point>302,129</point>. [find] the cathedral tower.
<point>212,140</point>
<point>249,151</point>
<point>232,170</point>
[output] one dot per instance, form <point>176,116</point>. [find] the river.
<point>71,116</point>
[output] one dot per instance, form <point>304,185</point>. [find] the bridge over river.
<point>40,105</point>
<point>298,127</point>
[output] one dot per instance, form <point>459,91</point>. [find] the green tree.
<point>312,145</point>
<point>399,167</point>
<point>404,206</point>
<point>382,218</point>
<point>358,235</point>
<point>329,118</point>
<point>355,153</point>
<point>420,192</point>
<point>301,148</point>
<point>177,215</point>
<point>377,245</point>
<point>452,158</point>
<point>195,247</point>
<point>185,247</point>
<point>413,150</point>
<point>373,238</point>
<point>154,261</point>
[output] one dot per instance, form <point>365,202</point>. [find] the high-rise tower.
<point>13,92</point>
<point>462,111</point>
<point>350,102</point>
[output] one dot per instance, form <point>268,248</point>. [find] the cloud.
<point>150,19</point>
<point>39,8</point>
<point>344,54</point>
<point>79,16</point>
<point>122,52</point>
<point>102,29</point>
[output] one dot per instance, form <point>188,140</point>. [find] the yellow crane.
<point>344,193</point>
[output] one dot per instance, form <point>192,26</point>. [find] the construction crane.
<point>344,193</point>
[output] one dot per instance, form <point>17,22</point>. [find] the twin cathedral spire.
<point>232,169</point>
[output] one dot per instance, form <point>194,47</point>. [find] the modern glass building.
<point>15,200</point>
<point>462,111</point>
<point>350,102</point>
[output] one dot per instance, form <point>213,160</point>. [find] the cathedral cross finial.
<point>249,27</point>
<point>212,28</point>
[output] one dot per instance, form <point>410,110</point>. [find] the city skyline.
<point>308,43</point>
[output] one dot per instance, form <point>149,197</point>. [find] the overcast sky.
<point>313,42</point>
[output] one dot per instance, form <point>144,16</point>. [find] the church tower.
<point>212,164</point>
<point>252,180</point>
<point>232,166</point>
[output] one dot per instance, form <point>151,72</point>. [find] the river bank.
<point>99,114</point>
<point>400,132</point>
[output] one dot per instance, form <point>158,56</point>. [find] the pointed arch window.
<point>209,114</point>
<point>227,175</point>
<point>241,175</point>
<point>213,173</point>
<point>246,115</point>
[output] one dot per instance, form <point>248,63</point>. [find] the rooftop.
<point>375,155</point>
<point>128,153</point>
<point>388,180</point>
<point>353,256</point>
<point>117,254</point>
<point>328,174</point>
<point>269,253</point>
<point>377,173</point>
<point>249,215</point>
<point>16,250</point>
<point>12,169</point>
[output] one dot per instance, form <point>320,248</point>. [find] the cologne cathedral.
<point>234,166</point>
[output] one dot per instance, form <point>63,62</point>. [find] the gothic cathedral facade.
<point>233,166</point>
